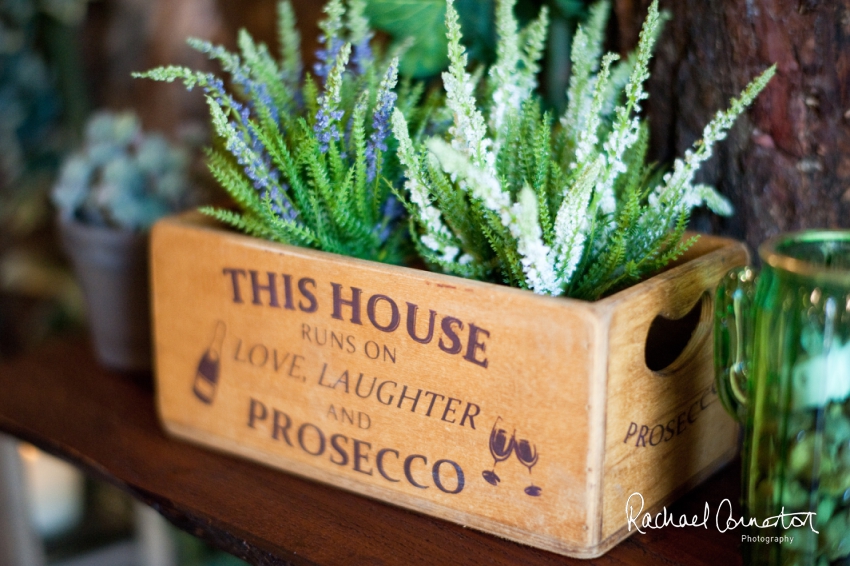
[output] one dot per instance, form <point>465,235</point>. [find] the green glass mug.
<point>782,356</point>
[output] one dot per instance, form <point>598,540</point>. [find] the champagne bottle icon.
<point>206,377</point>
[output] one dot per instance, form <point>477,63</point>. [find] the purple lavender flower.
<point>362,57</point>
<point>241,76</point>
<point>292,78</point>
<point>262,92</point>
<point>252,155</point>
<point>381,120</point>
<point>280,203</point>
<point>392,212</point>
<point>214,87</point>
<point>329,114</point>
<point>251,163</point>
<point>239,72</point>
<point>257,165</point>
<point>326,124</point>
<point>325,58</point>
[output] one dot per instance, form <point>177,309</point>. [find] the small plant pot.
<point>112,268</point>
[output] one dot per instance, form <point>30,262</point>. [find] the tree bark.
<point>786,164</point>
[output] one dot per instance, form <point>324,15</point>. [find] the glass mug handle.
<point>733,338</point>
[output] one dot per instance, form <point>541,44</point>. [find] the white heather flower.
<point>587,138</point>
<point>572,220</point>
<point>615,148</point>
<point>586,50</point>
<point>675,184</point>
<point>507,92</point>
<point>626,130</point>
<point>446,253</point>
<point>699,195</point>
<point>514,75</point>
<point>481,183</point>
<point>548,233</point>
<point>436,234</point>
<point>524,225</point>
<point>469,132</point>
<point>521,219</point>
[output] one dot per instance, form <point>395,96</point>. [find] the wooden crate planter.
<point>407,386</point>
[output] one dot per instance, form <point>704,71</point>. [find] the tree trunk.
<point>786,164</point>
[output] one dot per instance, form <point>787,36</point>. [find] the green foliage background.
<point>419,20</point>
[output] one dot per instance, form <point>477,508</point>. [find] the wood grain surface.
<point>105,423</point>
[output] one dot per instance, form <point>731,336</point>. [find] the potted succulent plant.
<point>528,416</point>
<point>108,195</point>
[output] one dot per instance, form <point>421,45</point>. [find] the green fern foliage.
<point>307,156</point>
<point>560,205</point>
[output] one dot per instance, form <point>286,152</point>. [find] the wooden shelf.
<point>60,400</point>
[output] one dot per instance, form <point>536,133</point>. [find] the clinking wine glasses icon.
<point>501,449</point>
<point>527,454</point>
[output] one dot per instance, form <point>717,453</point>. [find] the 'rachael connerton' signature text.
<point>724,520</point>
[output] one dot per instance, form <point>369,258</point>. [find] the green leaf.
<point>570,9</point>
<point>421,20</point>
<point>478,20</point>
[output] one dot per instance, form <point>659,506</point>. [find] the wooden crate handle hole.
<point>671,343</point>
